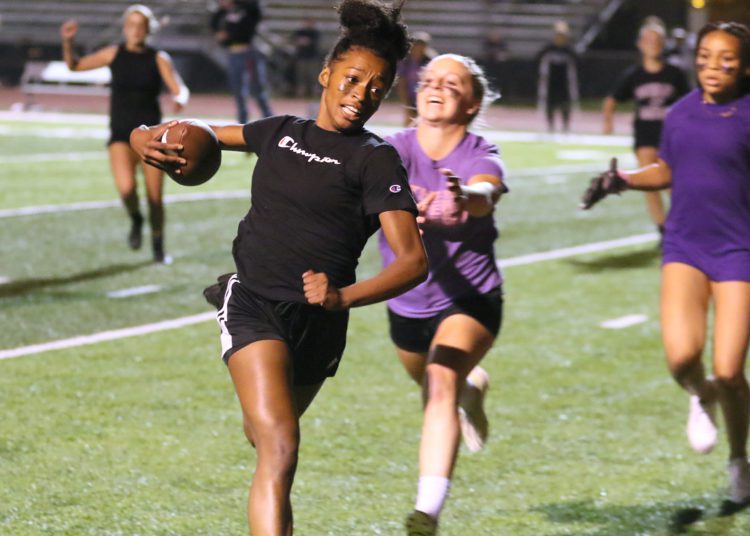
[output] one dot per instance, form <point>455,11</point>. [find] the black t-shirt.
<point>556,62</point>
<point>653,93</point>
<point>316,197</point>
<point>239,22</point>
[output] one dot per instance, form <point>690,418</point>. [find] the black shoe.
<point>420,524</point>
<point>215,293</point>
<point>159,255</point>
<point>135,238</point>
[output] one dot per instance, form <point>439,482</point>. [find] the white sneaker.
<point>474,425</point>
<point>701,425</point>
<point>739,480</point>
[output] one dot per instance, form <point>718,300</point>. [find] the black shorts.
<point>316,337</point>
<point>646,133</point>
<point>416,334</point>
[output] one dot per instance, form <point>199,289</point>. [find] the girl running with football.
<point>138,72</point>
<point>653,86</point>
<point>444,327</point>
<point>705,158</point>
<point>319,190</point>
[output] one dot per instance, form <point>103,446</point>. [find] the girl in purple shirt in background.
<point>705,157</point>
<point>444,327</point>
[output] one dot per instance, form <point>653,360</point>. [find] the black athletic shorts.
<point>316,337</point>
<point>416,334</point>
<point>646,133</point>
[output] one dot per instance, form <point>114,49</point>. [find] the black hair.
<point>742,33</point>
<point>372,25</point>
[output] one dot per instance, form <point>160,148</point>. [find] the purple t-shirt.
<point>707,146</point>
<point>461,258</point>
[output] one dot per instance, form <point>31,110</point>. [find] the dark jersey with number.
<point>316,197</point>
<point>653,94</point>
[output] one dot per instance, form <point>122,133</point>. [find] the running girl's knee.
<point>730,378</point>
<point>278,452</point>
<point>442,385</point>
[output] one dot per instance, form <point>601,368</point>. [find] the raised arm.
<point>408,269</point>
<point>173,81</point>
<point>100,58</point>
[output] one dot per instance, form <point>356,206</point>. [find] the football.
<point>201,150</point>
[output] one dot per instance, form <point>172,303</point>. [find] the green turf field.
<point>142,435</point>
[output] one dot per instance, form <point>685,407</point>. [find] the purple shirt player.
<point>461,258</point>
<point>707,147</point>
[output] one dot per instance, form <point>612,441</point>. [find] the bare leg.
<point>262,375</point>
<point>684,306</point>
<point>122,161</point>
<point>459,344</point>
<point>414,363</point>
<point>154,179</point>
<point>654,203</point>
<point>731,335</point>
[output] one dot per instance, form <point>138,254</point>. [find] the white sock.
<point>431,494</point>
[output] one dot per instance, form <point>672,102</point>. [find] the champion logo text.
<point>287,142</point>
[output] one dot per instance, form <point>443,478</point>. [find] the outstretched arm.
<point>656,176</point>
<point>408,269</point>
<point>614,181</point>
<point>479,195</point>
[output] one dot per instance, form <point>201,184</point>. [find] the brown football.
<point>201,150</point>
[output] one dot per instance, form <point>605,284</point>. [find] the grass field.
<point>142,435</point>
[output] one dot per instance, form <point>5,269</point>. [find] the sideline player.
<point>445,326</point>
<point>705,158</point>
<point>320,189</point>
<point>137,74</point>
<point>653,86</point>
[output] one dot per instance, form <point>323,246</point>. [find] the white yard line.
<point>133,291</point>
<point>194,319</point>
<point>107,335</point>
<point>562,253</point>
<point>52,157</point>
<point>4,280</point>
<point>92,205</point>
<point>624,321</point>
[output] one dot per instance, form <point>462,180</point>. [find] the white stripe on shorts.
<point>222,317</point>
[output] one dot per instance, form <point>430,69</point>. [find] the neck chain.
<point>728,112</point>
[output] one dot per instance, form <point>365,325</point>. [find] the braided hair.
<point>373,25</point>
<point>742,33</point>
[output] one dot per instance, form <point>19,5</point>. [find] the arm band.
<point>484,188</point>
<point>183,96</point>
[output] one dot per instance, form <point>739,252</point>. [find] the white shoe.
<point>739,480</point>
<point>701,425</point>
<point>474,425</point>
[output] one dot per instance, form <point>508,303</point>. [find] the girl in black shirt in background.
<point>653,86</point>
<point>320,189</point>
<point>137,75</point>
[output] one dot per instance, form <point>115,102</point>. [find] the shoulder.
<point>402,140</point>
<point>673,72</point>
<point>683,105</point>
<point>480,146</point>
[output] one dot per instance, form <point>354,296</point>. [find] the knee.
<point>682,362</point>
<point>277,452</point>
<point>248,429</point>
<point>730,378</point>
<point>441,385</point>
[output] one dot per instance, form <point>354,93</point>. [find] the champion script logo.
<point>287,142</point>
